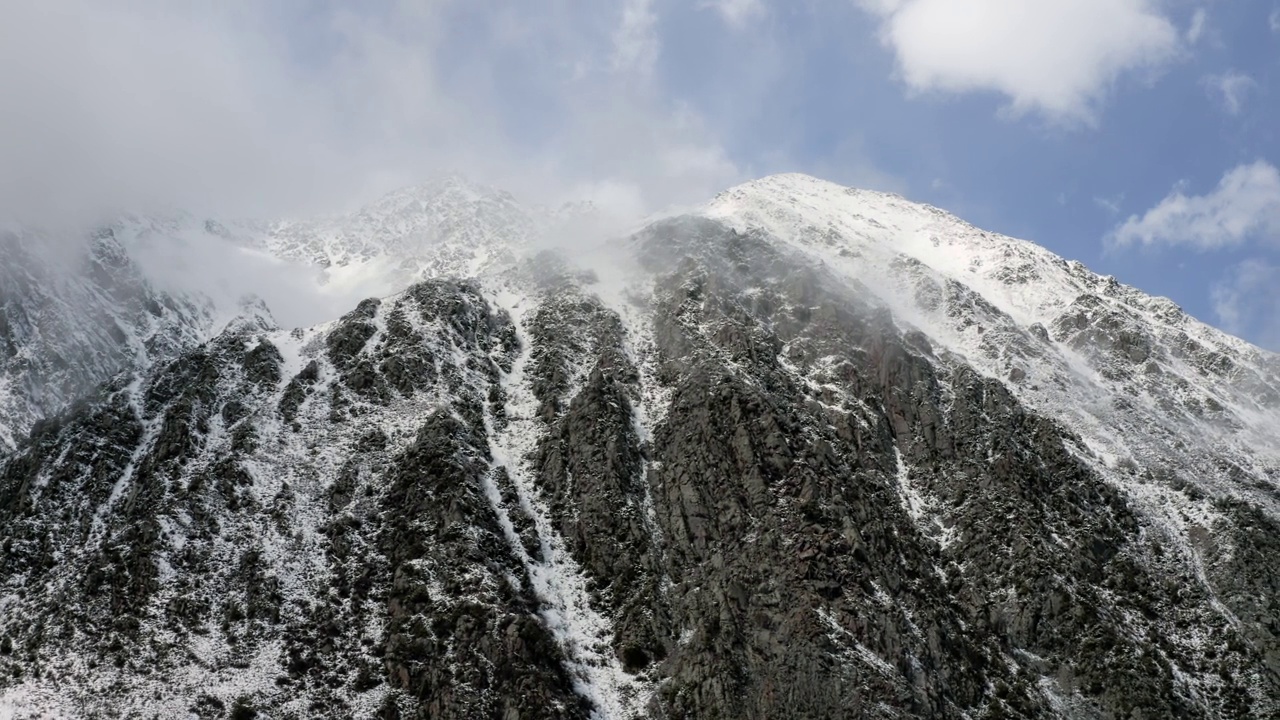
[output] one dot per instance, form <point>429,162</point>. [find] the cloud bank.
<point>253,109</point>
<point>296,109</point>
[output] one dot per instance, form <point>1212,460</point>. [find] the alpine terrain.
<point>73,315</point>
<point>803,452</point>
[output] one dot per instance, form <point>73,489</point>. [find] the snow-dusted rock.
<point>807,452</point>
<point>73,312</point>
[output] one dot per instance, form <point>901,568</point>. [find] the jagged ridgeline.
<point>743,486</point>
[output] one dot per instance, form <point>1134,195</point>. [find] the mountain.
<point>74,312</point>
<point>77,308</point>
<point>448,228</point>
<point>806,452</point>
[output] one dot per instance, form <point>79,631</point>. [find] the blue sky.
<point>1138,136</point>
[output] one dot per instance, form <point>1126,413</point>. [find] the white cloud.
<point>1274,20</point>
<point>268,109</point>
<point>260,109</point>
<point>1196,29</point>
<point>1231,88</point>
<point>1055,57</point>
<point>1247,301</point>
<point>635,42</point>
<point>106,106</point>
<point>1245,206</point>
<point>737,13</point>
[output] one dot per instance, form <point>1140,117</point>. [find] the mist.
<point>294,109</point>
<point>289,109</point>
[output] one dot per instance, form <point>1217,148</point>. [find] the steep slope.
<point>792,460</point>
<point>322,508</point>
<point>73,314</point>
<point>1127,370</point>
<point>1180,416</point>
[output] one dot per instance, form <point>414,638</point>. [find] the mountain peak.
<point>449,226</point>
<point>808,185</point>
<point>448,189</point>
<point>1009,307</point>
<point>253,316</point>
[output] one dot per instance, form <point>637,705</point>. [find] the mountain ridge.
<point>778,457</point>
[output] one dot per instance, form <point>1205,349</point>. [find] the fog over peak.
<point>300,109</point>
<point>162,117</point>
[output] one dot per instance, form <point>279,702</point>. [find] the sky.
<point>1137,136</point>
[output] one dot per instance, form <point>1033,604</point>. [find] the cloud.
<point>1274,20</point>
<point>635,43</point>
<point>1245,206</point>
<point>1247,301</point>
<point>1054,57</point>
<point>261,109</point>
<point>103,106</point>
<point>1231,88</point>
<point>1196,29</point>
<point>226,273</point>
<point>737,13</point>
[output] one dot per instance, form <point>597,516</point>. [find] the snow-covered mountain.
<point>448,228</point>
<point>73,313</point>
<point>1151,390</point>
<point>76,310</point>
<point>806,452</point>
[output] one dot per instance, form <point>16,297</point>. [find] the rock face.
<point>751,483</point>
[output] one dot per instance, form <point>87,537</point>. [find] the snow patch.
<point>839,636</point>
<point>921,509</point>
<point>559,582</point>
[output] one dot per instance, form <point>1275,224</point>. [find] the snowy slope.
<point>1141,381</point>
<point>55,304</point>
